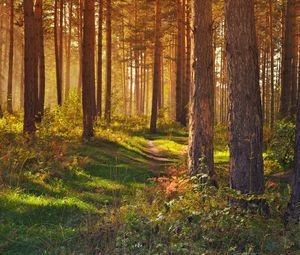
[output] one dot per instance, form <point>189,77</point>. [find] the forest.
<point>149,127</point>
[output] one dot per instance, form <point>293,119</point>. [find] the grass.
<point>53,188</point>
<point>62,195</point>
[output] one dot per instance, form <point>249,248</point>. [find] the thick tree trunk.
<point>156,67</point>
<point>108,63</point>
<point>99,69</point>
<point>287,81</point>
<point>293,210</point>
<point>1,59</point>
<point>246,162</point>
<point>202,101</point>
<point>30,59</point>
<point>11,58</point>
<point>88,69</point>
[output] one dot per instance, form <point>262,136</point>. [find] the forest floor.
<point>125,192</point>
<point>46,204</point>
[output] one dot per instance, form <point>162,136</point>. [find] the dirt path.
<point>158,159</point>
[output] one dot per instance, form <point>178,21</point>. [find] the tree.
<point>108,62</point>
<point>99,69</point>
<point>288,92</point>
<point>88,68</point>
<point>11,58</point>
<point>41,58</point>
<point>293,210</point>
<point>179,63</point>
<point>1,58</point>
<point>202,100</point>
<point>68,50</point>
<point>30,75</point>
<point>245,127</point>
<point>156,67</point>
<point>57,55</point>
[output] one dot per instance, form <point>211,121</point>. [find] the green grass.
<point>62,195</point>
<point>52,192</point>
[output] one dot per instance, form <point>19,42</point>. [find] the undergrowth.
<point>60,194</point>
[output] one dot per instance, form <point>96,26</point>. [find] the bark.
<point>293,209</point>
<point>41,58</point>
<point>287,80</point>
<point>68,53</point>
<point>108,63</point>
<point>246,162</point>
<point>188,60</point>
<point>11,58</point>
<point>1,59</point>
<point>156,67</point>
<point>88,68</point>
<point>57,56</point>
<point>272,64</point>
<point>202,109</point>
<point>79,13</point>
<point>22,79</point>
<point>30,59</point>
<point>61,44</point>
<point>99,69</point>
<point>179,63</point>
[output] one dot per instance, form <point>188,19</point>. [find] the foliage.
<point>281,148</point>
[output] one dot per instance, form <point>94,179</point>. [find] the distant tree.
<point>246,133</point>
<point>108,62</point>
<point>202,99</point>
<point>88,68</point>
<point>179,62</point>
<point>30,75</point>
<point>57,55</point>
<point>156,67</point>
<point>68,49</point>
<point>41,58</point>
<point>11,58</point>
<point>99,69</point>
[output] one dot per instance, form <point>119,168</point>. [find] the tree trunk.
<point>30,59</point>
<point>179,63</point>
<point>272,64</point>
<point>99,69</point>
<point>88,69</point>
<point>293,210</point>
<point>287,81</point>
<point>156,67</point>
<point>41,58</point>
<point>1,59</point>
<point>68,53</point>
<point>108,63</point>
<point>246,162</point>
<point>22,78</point>
<point>188,59</point>
<point>61,44</point>
<point>79,13</point>
<point>57,56</point>
<point>11,58</point>
<point>202,101</point>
